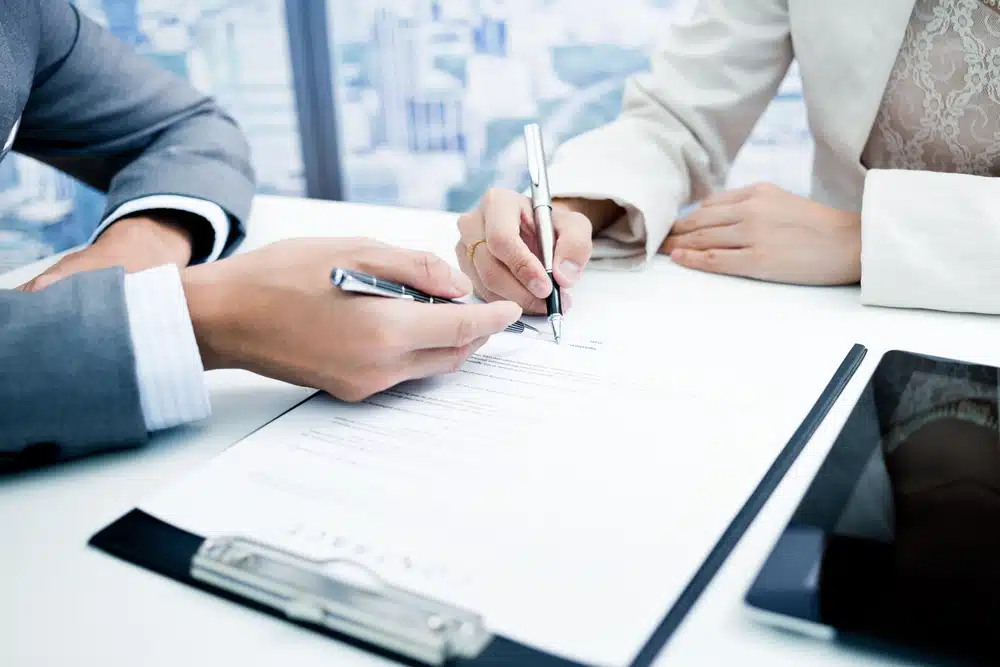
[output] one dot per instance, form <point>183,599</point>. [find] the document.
<point>561,491</point>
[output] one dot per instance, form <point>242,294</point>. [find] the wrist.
<point>854,236</point>
<point>210,309</point>
<point>601,213</point>
<point>153,240</point>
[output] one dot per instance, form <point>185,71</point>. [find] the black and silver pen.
<point>357,282</point>
<point>541,204</point>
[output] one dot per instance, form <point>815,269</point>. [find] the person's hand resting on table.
<point>137,242</point>
<point>766,233</point>
<point>499,248</point>
<point>274,311</point>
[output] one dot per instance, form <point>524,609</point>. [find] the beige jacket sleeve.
<point>681,124</point>
<point>931,240</point>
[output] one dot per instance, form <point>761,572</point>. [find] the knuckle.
<point>498,243</point>
<point>463,331</point>
<point>491,197</point>
<point>466,224</point>
<point>457,358</point>
<point>432,266</point>
<point>520,266</point>
<point>490,275</point>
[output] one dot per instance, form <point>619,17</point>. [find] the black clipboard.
<point>144,540</point>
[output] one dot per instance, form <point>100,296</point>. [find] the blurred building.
<point>430,96</point>
<point>460,78</point>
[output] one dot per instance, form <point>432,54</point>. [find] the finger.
<point>497,283</point>
<point>734,196</point>
<point>91,258</point>
<point>39,283</point>
<point>478,287</point>
<point>714,216</point>
<point>428,363</point>
<point>472,227</point>
<point>422,270</point>
<point>503,214</point>
<point>497,278</point>
<point>492,280</point>
<point>733,262</point>
<point>535,307</point>
<point>52,275</point>
<point>727,236</point>
<point>441,326</point>
<point>574,243</point>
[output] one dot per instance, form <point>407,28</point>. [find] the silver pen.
<point>357,282</point>
<point>541,204</point>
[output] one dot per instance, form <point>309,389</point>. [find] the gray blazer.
<point>89,106</point>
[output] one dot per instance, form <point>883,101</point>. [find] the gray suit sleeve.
<point>68,385</point>
<point>112,119</point>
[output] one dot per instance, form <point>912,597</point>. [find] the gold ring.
<point>472,250</point>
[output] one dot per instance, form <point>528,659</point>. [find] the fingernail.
<point>570,270</point>
<point>539,288</point>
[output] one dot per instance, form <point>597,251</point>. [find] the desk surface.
<point>64,603</point>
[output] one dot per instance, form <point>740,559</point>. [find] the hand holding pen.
<point>503,245</point>
<point>273,311</point>
<point>357,282</point>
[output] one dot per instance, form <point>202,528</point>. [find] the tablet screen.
<point>897,539</point>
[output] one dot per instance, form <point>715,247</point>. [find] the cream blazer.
<point>929,240</point>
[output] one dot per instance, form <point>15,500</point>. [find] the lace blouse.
<point>941,108</point>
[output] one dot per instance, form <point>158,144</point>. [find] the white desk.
<point>63,603</point>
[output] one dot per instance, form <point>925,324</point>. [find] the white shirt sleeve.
<point>206,209</point>
<point>168,364</point>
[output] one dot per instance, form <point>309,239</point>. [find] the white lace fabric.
<point>941,108</point>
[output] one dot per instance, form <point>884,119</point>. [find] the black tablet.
<point>896,542</point>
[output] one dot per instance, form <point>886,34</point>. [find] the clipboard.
<point>354,607</point>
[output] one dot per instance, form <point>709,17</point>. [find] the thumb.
<point>43,280</point>
<point>574,244</point>
<point>88,259</point>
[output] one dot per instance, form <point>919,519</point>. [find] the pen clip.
<point>536,158</point>
<point>349,281</point>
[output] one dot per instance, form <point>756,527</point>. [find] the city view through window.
<point>430,97</point>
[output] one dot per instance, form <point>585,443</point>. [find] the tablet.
<point>896,543</point>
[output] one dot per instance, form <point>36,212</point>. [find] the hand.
<point>767,233</point>
<point>135,243</point>
<point>275,312</point>
<point>506,266</point>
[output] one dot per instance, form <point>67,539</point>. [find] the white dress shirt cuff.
<point>168,365</point>
<point>211,211</point>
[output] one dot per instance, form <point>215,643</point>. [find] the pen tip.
<point>556,327</point>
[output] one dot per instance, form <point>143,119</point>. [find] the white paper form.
<point>543,486</point>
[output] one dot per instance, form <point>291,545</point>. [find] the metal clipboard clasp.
<point>405,623</point>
